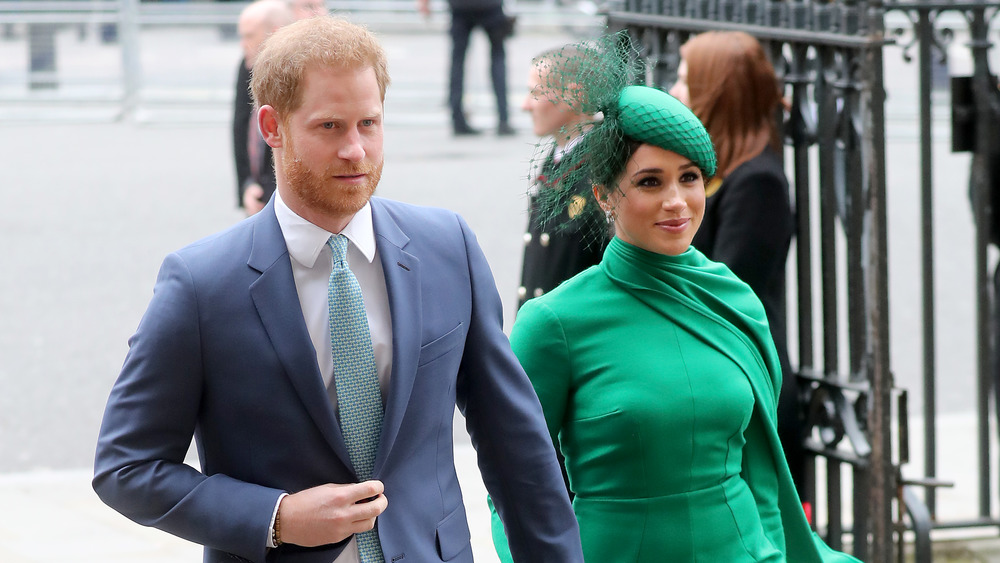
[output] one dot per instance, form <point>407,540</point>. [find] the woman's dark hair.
<point>609,176</point>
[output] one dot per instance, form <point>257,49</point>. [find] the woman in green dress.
<point>656,369</point>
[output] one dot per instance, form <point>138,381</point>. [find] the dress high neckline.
<point>631,251</point>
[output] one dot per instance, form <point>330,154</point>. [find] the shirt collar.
<point>562,151</point>
<point>305,240</point>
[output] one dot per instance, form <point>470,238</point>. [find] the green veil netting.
<point>597,78</point>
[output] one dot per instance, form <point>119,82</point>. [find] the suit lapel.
<point>402,281</point>
<point>277,303</point>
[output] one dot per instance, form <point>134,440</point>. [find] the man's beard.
<point>325,194</point>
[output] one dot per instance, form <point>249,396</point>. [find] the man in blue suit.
<point>236,350</point>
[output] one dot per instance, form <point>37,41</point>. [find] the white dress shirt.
<point>312,262</point>
<point>559,152</point>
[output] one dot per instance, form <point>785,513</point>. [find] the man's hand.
<point>424,6</point>
<point>251,199</point>
<point>330,513</point>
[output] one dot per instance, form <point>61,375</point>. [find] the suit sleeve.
<point>148,426</point>
<point>754,226</point>
<point>540,345</point>
<point>242,110</point>
<point>507,427</point>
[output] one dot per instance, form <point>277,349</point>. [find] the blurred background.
<point>116,148</point>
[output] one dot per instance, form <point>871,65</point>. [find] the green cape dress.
<point>659,382</point>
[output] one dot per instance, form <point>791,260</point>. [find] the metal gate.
<point>830,57</point>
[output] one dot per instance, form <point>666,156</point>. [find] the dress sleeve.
<point>539,343</point>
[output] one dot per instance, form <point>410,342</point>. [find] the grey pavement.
<point>94,202</point>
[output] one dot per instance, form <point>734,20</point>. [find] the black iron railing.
<point>830,57</point>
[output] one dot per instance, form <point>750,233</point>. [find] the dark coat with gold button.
<point>558,249</point>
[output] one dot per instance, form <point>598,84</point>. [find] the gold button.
<point>576,205</point>
<point>544,239</point>
<point>527,238</point>
<point>522,292</point>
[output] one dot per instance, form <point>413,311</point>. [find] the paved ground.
<point>93,204</point>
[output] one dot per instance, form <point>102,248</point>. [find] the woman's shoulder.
<point>579,287</point>
<point>573,296</point>
<point>760,179</point>
<point>765,164</point>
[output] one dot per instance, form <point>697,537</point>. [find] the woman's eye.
<point>648,182</point>
<point>689,177</point>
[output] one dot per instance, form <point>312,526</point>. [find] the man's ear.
<point>601,196</point>
<point>577,98</point>
<point>270,126</point>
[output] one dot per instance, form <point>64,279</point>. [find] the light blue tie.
<point>359,399</point>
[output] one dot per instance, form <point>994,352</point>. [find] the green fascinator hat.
<point>653,116</point>
<point>598,77</point>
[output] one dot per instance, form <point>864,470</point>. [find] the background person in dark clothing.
<point>254,168</point>
<point>557,249</point>
<point>466,15</point>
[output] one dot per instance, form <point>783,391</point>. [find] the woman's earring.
<point>609,216</point>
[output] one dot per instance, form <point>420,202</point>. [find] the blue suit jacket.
<point>223,353</point>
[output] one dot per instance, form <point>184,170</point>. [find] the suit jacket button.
<point>544,239</point>
<point>522,292</point>
<point>527,238</point>
<point>539,291</point>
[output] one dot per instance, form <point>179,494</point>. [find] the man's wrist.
<point>276,530</point>
<point>274,534</point>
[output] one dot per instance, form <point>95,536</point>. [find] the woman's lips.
<point>674,225</point>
